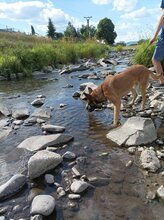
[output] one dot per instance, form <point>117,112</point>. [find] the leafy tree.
<point>88,32</point>
<point>59,35</point>
<point>51,29</point>
<point>105,31</point>
<point>32,30</point>
<point>70,31</point>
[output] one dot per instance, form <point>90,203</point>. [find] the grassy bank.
<point>143,54</point>
<point>25,54</point>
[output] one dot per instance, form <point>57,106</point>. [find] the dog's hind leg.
<point>134,94</point>
<point>143,88</point>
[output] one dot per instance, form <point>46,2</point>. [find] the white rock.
<point>74,196</point>
<point>160,192</point>
<point>4,110</point>
<point>37,217</point>
<point>69,155</point>
<point>135,131</point>
<point>149,160</point>
<point>53,128</point>
<point>131,150</point>
<point>18,122</point>
<point>43,205</point>
<point>79,186</point>
<point>41,162</point>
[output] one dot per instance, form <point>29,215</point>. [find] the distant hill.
<point>130,43</point>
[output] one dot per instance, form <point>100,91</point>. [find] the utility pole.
<point>88,18</point>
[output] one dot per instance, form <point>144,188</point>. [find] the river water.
<point>124,198</point>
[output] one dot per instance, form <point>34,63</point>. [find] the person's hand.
<point>152,40</point>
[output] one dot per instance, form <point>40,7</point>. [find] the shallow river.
<point>124,198</point>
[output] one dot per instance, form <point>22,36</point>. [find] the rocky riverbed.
<point>59,162</point>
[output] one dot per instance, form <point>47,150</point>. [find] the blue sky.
<point>133,19</point>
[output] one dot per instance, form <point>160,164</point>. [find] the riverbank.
<point>115,184</point>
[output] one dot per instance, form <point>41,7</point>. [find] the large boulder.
<point>135,131</point>
<point>41,162</point>
<point>4,110</point>
<point>12,186</point>
<point>40,142</point>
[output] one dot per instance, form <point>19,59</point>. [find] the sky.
<point>133,19</point>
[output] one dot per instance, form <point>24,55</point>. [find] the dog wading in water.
<point>113,88</point>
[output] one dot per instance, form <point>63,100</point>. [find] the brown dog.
<point>113,88</point>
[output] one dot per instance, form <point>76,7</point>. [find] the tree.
<point>70,31</point>
<point>51,29</point>
<point>105,31</point>
<point>84,31</point>
<point>32,30</point>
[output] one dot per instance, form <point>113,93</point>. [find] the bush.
<point>10,65</point>
<point>143,54</point>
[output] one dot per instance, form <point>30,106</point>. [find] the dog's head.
<point>92,103</point>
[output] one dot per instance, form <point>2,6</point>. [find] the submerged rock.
<point>12,186</point>
<point>40,142</point>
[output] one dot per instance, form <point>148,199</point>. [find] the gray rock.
<point>21,113</point>
<point>160,192</point>
<point>84,86</point>
<point>74,196</point>
<point>69,155</point>
<point>49,179</point>
<point>79,186</point>
<point>4,122</point>
<point>4,132</point>
<point>41,114</point>
<point>41,162</point>
<point>53,128</point>
<point>149,160</point>
<point>12,186</point>
<point>2,217</point>
<point>40,142</point>
<point>4,110</point>
<point>37,102</point>
<point>37,217</point>
<point>135,131</point>
<point>43,205</point>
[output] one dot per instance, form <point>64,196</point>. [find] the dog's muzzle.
<point>90,108</point>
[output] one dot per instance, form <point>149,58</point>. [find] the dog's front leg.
<point>117,106</point>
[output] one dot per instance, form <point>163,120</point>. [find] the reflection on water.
<point>122,199</point>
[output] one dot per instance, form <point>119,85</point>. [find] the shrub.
<point>10,65</point>
<point>144,54</point>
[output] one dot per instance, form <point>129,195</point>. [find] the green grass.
<point>143,54</point>
<point>24,53</point>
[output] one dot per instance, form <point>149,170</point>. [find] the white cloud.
<point>101,2</point>
<point>124,5</point>
<point>36,13</point>
<point>120,5</point>
<point>141,13</point>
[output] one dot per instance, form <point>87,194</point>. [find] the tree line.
<point>104,32</point>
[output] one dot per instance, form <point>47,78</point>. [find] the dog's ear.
<point>90,90</point>
<point>88,96</point>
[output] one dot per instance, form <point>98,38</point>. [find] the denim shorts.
<point>159,50</point>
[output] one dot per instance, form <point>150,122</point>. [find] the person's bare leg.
<point>159,70</point>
